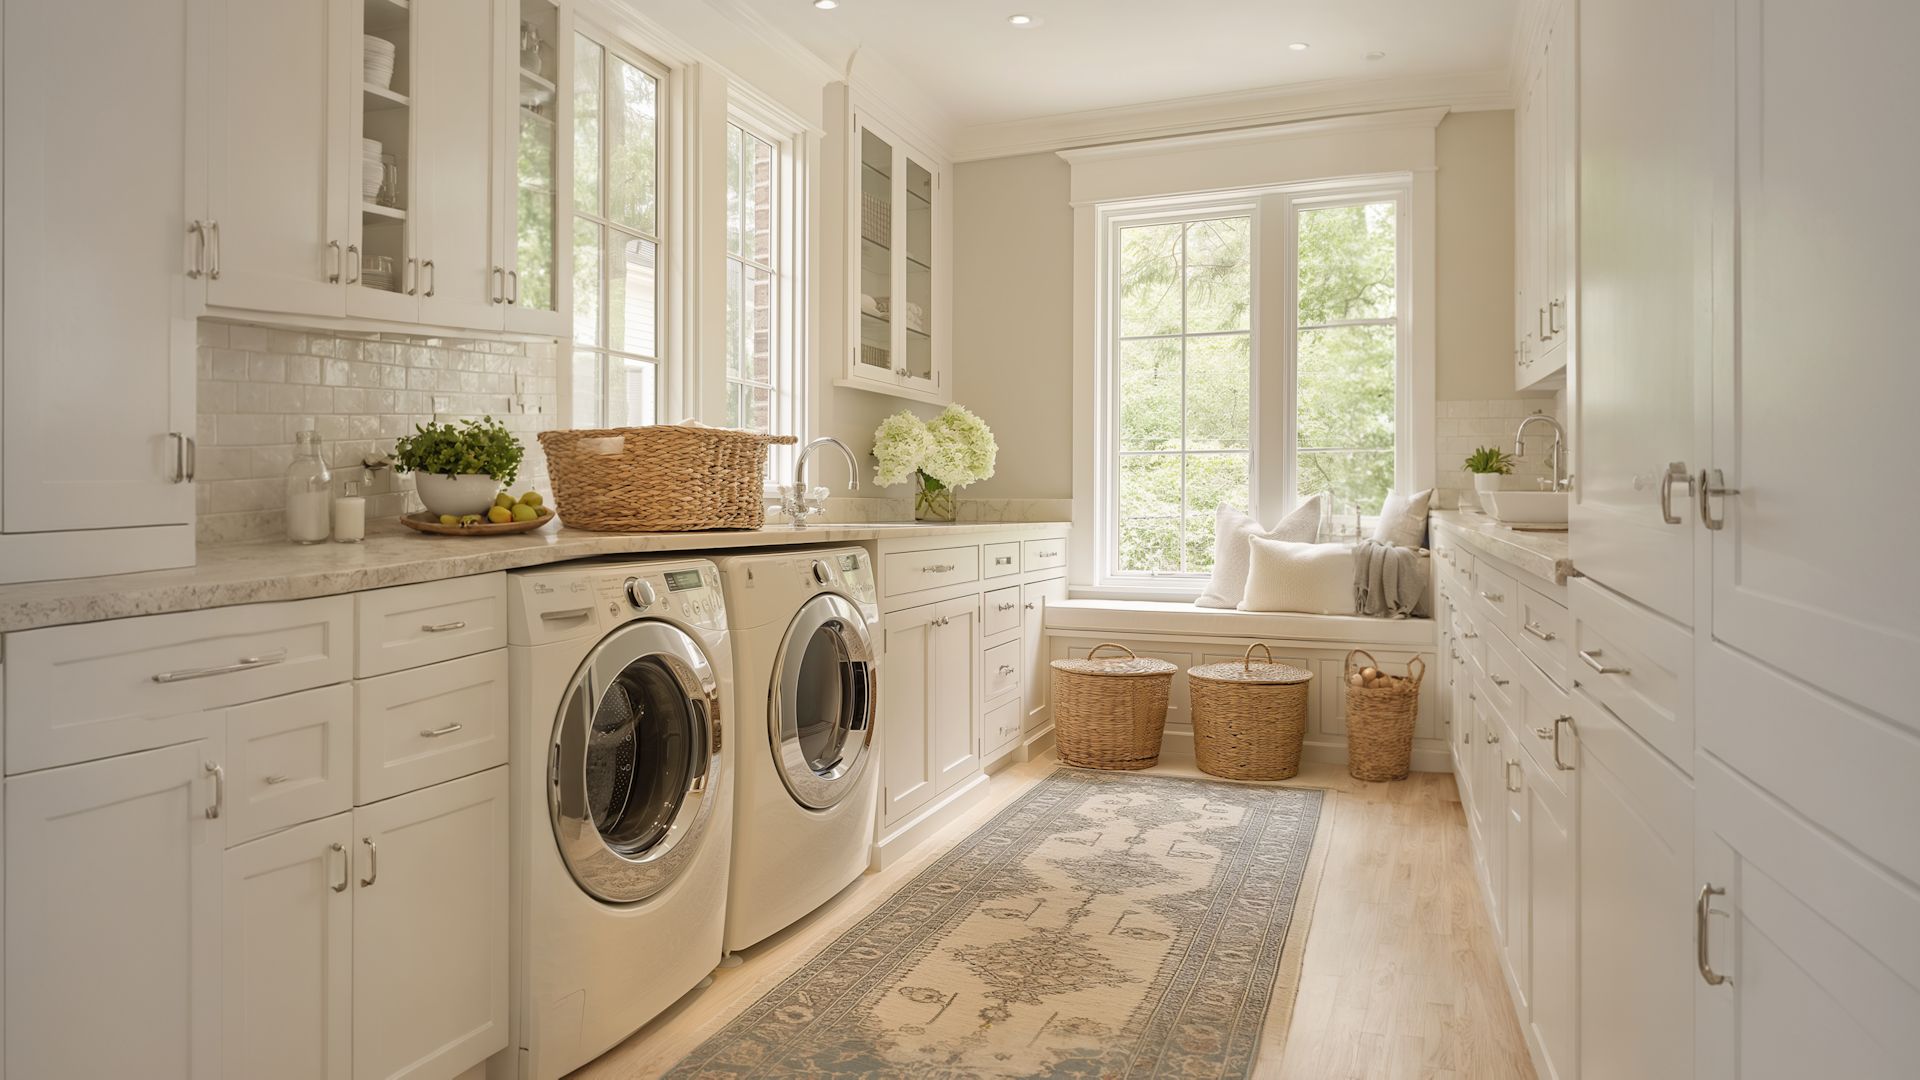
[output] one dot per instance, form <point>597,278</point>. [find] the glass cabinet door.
<point>379,265</point>
<point>533,291</point>
<point>876,344</point>
<point>916,314</point>
<point>899,291</point>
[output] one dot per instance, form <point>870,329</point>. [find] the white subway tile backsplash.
<point>1461,427</point>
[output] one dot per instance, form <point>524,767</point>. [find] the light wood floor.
<point>1401,977</point>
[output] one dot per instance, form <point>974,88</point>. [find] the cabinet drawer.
<point>1637,664</point>
<point>414,625</point>
<point>1042,555</point>
<point>1000,669</point>
<point>1000,727</point>
<point>1001,611</point>
<point>74,693</point>
<point>1545,707</point>
<point>1495,595</point>
<point>1467,639</point>
<point>289,760</point>
<point>1542,631</point>
<point>903,572</point>
<point>1002,560</point>
<point>1502,664</point>
<point>430,724</point>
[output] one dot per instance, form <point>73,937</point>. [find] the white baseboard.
<point>901,839</point>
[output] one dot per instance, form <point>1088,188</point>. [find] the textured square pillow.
<point>1403,519</point>
<point>1231,528</point>
<point>1314,578</point>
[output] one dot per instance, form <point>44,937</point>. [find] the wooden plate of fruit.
<point>506,516</point>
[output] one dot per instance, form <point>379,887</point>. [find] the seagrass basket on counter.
<point>1249,719</point>
<point>666,478</point>
<point>1381,711</point>
<point>1109,712</point>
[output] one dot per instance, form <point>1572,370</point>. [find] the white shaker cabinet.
<point>103,179</point>
<point>930,739</point>
<point>458,138</point>
<point>97,985</point>
<point>1035,673</point>
<point>954,657</point>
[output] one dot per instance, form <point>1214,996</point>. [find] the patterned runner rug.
<point>1103,925</point>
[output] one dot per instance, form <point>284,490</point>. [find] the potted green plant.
<point>1488,464</point>
<point>940,456</point>
<point>460,467</point>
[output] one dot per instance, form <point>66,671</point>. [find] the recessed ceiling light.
<point>1020,20</point>
<point>1298,46</point>
<point>826,5</point>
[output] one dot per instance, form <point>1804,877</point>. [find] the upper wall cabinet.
<point>104,261</point>
<point>899,336</point>
<point>1545,166</point>
<point>398,166</point>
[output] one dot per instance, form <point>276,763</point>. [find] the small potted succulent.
<point>460,467</point>
<point>1488,464</point>
<point>940,456</point>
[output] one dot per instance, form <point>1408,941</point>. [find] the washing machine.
<point>805,630</point>
<point>622,800</point>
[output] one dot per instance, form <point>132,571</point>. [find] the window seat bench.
<point>1273,627</point>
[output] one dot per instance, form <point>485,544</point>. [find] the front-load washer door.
<point>635,762</point>
<point>820,706</point>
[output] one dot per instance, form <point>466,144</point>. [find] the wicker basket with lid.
<point>1109,712</point>
<point>1249,719</point>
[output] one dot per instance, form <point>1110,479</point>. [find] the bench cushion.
<point>1188,620</point>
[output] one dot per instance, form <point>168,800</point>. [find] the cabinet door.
<point>898,338</point>
<point>1553,920</point>
<point>288,921</point>
<point>1490,801</point>
<point>1636,903</point>
<point>908,700</point>
<point>1815,945</point>
<point>1645,293</point>
<point>1516,883</point>
<point>956,678</point>
<point>103,121</point>
<point>282,76</point>
<point>113,917</point>
<point>1034,598</point>
<point>383,274</point>
<point>457,142</point>
<point>534,114</point>
<point>430,929</point>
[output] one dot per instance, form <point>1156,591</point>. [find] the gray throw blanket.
<point>1387,581</point>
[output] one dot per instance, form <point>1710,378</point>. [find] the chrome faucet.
<point>1560,481</point>
<point>794,502</point>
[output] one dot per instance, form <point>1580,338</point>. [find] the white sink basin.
<point>1527,509</point>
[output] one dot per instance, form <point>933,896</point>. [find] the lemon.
<point>503,499</point>
<point>449,519</point>
<point>531,498</point>
<point>523,512</point>
<point>470,519</point>
<point>499,515</point>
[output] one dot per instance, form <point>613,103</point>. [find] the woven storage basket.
<point>1380,722</point>
<point>669,478</point>
<point>1110,713</point>
<point>1249,719</point>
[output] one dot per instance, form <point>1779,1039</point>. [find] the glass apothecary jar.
<point>309,491</point>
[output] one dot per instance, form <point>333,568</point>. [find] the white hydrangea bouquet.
<point>940,455</point>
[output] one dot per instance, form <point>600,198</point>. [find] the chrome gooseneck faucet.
<point>1560,481</point>
<point>795,503</point>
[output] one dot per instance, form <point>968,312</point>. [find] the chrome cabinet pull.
<point>434,733</point>
<point>373,861</point>
<point>1676,473</point>
<point>179,456</point>
<point>1046,554</point>
<point>513,286</point>
<point>346,873</point>
<point>353,264</point>
<point>1006,669</point>
<point>273,779</point>
<point>1493,597</point>
<point>1592,658</point>
<point>1554,308</point>
<point>1557,763</point>
<point>412,276</point>
<point>938,568</point>
<point>441,628</point>
<point>198,230</point>
<point>1713,483</point>
<point>334,261</point>
<point>1469,635</point>
<point>246,663</point>
<point>1009,606</point>
<point>1512,763</point>
<point>432,276</point>
<point>1540,325</point>
<point>1497,680</point>
<point>213,244</point>
<point>1537,630</point>
<point>1701,909</point>
<point>219,775</point>
<point>1003,560</point>
<point>499,278</point>
<point>193,458</point>
<point>1493,737</point>
<point>1030,605</point>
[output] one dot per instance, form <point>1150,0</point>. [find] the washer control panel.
<point>847,570</point>
<point>689,592</point>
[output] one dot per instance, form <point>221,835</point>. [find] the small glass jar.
<point>350,514</point>
<point>309,491</point>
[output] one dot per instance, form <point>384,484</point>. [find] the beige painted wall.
<point>1013,294</point>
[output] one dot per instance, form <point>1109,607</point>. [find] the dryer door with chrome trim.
<point>635,762</point>
<point>820,706</point>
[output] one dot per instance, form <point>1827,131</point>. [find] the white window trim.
<point>1384,149</point>
<point>793,375</point>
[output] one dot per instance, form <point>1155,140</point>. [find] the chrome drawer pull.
<point>1029,605</point>
<point>1493,597</point>
<point>1005,607</point>
<point>938,568</point>
<point>1493,737</point>
<point>434,733</point>
<point>1701,909</point>
<point>246,663</point>
<point>1593,661</point>
<point>274,779</point>
<point>373,861</point>
<point>1557,763</point>
<point>1469,635</point>
<point>1497,680</point>
<point>1712,483</point>
<point>1047,554</point>
<point>346,872</point>
<point>1512,764</point>
<point>441,628</point>
<point>1006,669</point>
<point>219,788</point>
<point>1536,630</point>
<point>1003,560</point>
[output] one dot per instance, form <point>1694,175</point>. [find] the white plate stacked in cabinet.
<point>1503,659</point>
<point>962,681</point>
<point>210,806</point>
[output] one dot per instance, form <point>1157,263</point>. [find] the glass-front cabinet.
<point>535,119</point>
<point>898,340</point>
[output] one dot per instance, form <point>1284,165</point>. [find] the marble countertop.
<point>1542,554</point>
<point>265,570</point>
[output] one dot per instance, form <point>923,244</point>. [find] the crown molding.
<point>1466,92</point>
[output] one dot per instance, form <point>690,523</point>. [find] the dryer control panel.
<point>558,602</point>
<point>847,570</point>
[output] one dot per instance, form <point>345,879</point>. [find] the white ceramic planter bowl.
<point>468,493</point>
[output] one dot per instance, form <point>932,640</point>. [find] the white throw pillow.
<point>1231,528</point>
<point>1403,520</point>
<point>1314,578</point>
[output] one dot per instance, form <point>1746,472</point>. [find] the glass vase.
<point>932,500</point>
<point>309,491</point>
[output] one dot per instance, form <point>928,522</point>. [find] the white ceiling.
<point>1095,54</point>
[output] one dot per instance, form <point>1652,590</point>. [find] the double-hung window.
<point>1254,352</point>
<point>764,298</point>
<point>618,102</point>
